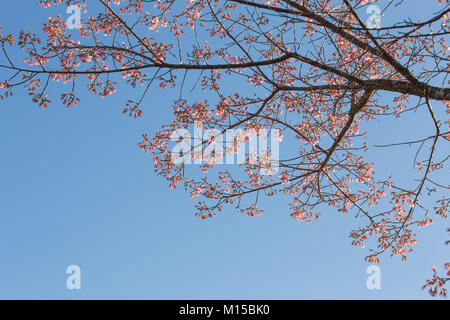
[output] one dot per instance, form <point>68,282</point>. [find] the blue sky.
<point>76,189</point>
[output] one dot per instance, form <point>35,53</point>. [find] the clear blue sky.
<point>76,189</point>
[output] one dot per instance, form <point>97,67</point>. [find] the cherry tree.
<point>312,69</point>
<point>436,285</point>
